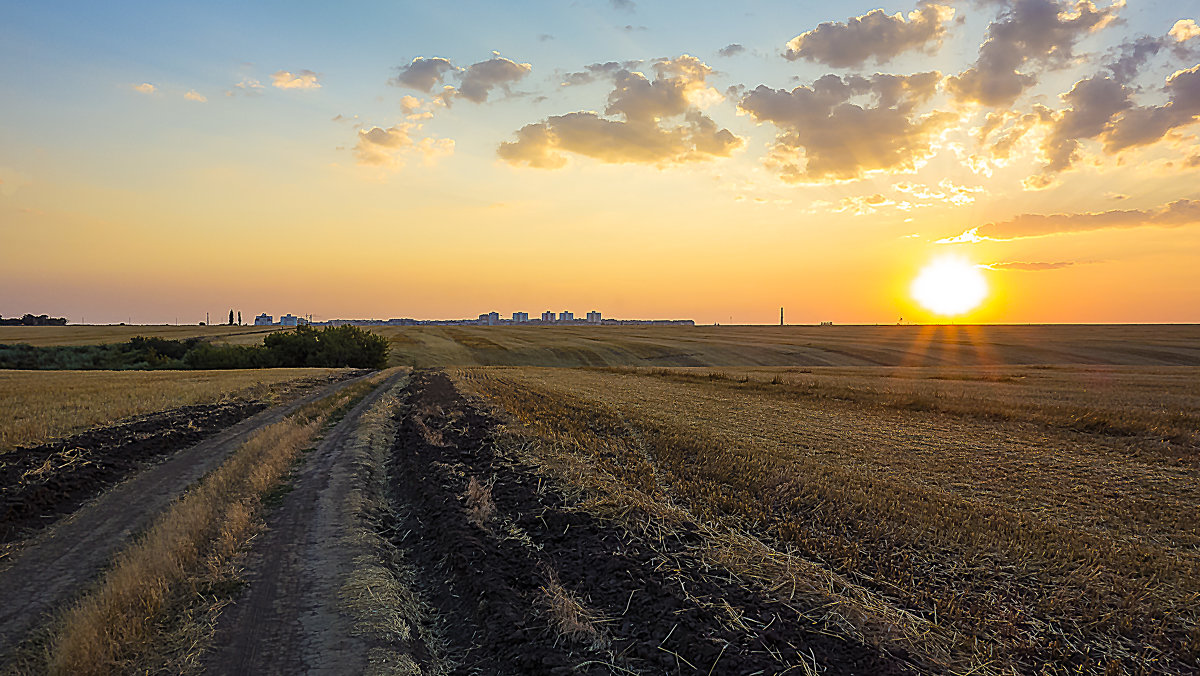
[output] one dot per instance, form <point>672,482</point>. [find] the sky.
<point>702,160</point>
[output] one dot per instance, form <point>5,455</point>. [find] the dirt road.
<point>50,569</point>
<point>289,621</point>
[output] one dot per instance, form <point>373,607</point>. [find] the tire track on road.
<point>52,569</point>
<point>290,621</point>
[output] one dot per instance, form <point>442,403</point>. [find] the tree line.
<point>33,320</point>
<point>334,347</point>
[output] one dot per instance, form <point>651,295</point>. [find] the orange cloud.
<point>305,79</point>
<point>1174,215</point>
<point>386,148</point>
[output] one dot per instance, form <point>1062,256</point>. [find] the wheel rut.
<point>290,620</point>
<point>56,565</point>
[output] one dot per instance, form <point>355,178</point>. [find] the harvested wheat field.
<point>37,406</point>
<point>949,345</point>
<point>960,518</point>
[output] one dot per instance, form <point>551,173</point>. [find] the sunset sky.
<point>702,160</point>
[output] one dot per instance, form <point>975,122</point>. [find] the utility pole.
<point>781,316</point>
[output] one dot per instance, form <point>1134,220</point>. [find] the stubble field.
<point>816,500</point>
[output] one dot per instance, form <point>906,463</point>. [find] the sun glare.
<point>950,286</point>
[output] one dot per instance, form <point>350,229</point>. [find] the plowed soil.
<point>38,485</point>
<point>656,612</point>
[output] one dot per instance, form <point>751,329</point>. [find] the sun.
<point>950,286</point>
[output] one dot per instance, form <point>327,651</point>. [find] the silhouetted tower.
<point>781,316</point>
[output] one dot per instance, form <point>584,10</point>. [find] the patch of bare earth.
<point>521,579</point>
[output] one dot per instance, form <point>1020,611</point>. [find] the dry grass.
<point>1155,404</point>
<point>480,508</point>
<point>568,616</point>
<point>966,543</point>
<point>119,626</point>
<point>37,406</point>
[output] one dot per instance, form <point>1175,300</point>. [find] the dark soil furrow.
<point>658,612</point>
<point>41,484</point>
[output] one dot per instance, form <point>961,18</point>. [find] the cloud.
<point>732,49</point>
<point>1132,55</point>
<point>1144,125</point>
<point>1184,30</point>
<point>423,74</point>
<point>196,96</point>
<point>1029,266</point>
<point>145,88</point>
<point>1094,102</point>
<point>1174,215</point>
<point>544,37</point>
<point>247,87</point>
<point>630,28</point>
<point>825,136</point>
<point>945,191</point>
<point>874,35</point>
<point>971,236</point>
<point>623,5</point>
<point>1039,31</point>
<point>304,79</point>
<point>642,131</point>
<point>386,148</point>
<point>598,71</point>
<point>1005,130</point>
<point>481,78</point>
<point>476,81</point>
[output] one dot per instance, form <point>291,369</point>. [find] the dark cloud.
<point>731,50</point>
<point>1094,102</point>
<point>874,35</point>
<point>1144,125</point>
<point>598,71</point>
<point>1038,31</point>
<point>623,5</point>
<point>1131,55</point>
<point>479,79</point>
<point>656,122</point>
<point>1176,214</point>
<point>423,74</point>
<point>476,81</point>
<point>843,140</point>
